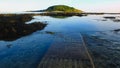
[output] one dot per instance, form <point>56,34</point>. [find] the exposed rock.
<point>14,26</point>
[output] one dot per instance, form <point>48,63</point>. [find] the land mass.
<point>13,26</point>
<point>60,8</point>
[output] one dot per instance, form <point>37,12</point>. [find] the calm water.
<point>77,24</point>
<point>26,52</point>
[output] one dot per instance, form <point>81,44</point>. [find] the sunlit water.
<point>77,24</point>
<point>26,52</point>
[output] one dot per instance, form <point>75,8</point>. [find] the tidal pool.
<point>102,41</point>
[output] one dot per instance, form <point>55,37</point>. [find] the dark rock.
<point>14,26</point>
<point>110,17</point>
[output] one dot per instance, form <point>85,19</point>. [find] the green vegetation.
<point>62,8</point>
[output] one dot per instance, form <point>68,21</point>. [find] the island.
<point>61,10</point>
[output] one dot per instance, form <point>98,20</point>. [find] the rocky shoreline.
<point>13,26</point>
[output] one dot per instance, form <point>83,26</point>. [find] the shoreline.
<point>56,13</point>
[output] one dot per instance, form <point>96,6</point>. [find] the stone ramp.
<point>67,51</point>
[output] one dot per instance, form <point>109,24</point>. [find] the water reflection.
<point>61,17</point>
<point>102,42</point>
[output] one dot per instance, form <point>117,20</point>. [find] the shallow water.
<point>77,24</point>
<point>26,52</point>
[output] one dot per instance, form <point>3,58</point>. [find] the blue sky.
<point>85,5</point>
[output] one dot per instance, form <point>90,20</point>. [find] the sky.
<point>85,5</point>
